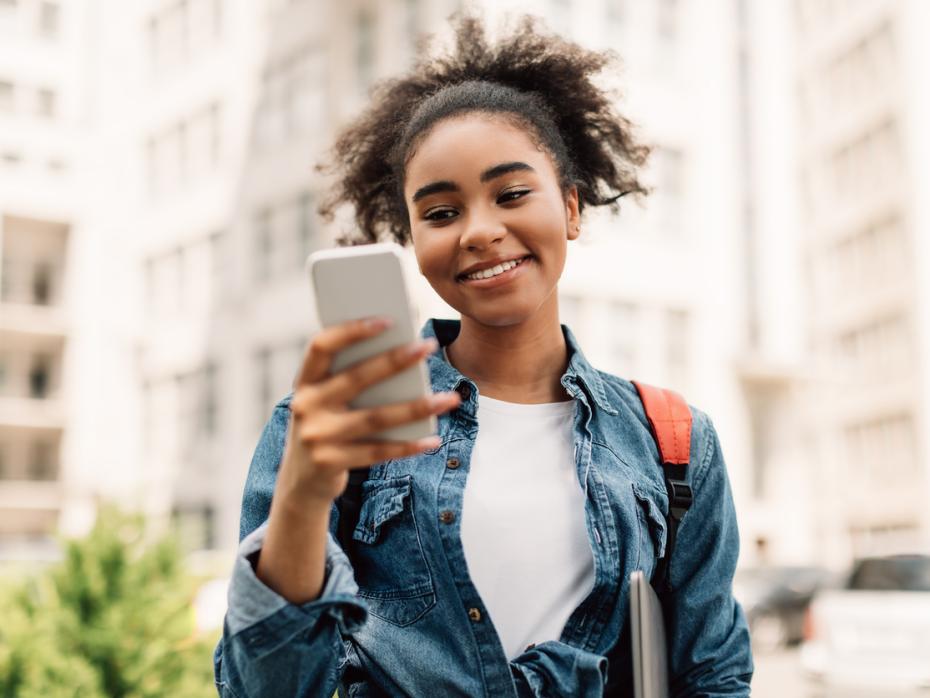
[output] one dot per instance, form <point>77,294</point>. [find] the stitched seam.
<point>709,452</point>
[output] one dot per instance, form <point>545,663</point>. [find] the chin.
<point>498,316</point>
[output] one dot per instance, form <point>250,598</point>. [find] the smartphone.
<point>350,283</point>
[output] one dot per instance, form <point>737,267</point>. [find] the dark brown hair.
<point>535,80</point>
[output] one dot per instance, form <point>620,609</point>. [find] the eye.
<point>512,195</point>
<point>439,214</point>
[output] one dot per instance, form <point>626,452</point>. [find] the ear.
<point>572,217</point>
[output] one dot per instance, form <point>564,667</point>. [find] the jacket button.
<point>452,463</point>
<point>464,391</point>
<point>474,614</point>
<point>446,516</point>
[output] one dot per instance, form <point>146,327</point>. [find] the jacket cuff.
<point>251,601</point>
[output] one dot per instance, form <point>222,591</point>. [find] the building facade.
<point>862,105</point>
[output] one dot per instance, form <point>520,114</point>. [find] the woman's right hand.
<point>325,437</point>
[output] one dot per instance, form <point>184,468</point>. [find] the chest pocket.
<point>390,568</point>
<point>652,529</point>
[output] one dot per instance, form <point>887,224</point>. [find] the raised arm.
<point>292,593</point>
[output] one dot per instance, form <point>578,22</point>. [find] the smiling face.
<point>480,192</point>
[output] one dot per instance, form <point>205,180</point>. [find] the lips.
<point>501,280</point>
<point>490,265</point>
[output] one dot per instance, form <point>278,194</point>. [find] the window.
<point>668,174</point>
<point>364,50</point>
<point>307,228</point>
<point>263,382</point>
<point>292,99</point>
<point>412,20</point>
<point>622,336</point>
<point>561,13</point>
<point>264,245</point>
<point>209,402</point>
<point>182,167</point>
<point>48,18</point>
<point>216,133</point>
<point>570,312</point>
<point>45,103</point>
<point>667,19</point>
<point>217,258</point>
<point>202,137</point>
<point>616,13</point>
<point>42,283</point>
<point>39,376</point>
<point>678,338</point>
<point>42,465</point>
<point>6,96</point>
<point>195,526</point>
<point>154,43</point>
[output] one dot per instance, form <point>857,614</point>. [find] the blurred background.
<point>157,204</point>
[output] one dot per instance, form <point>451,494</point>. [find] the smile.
<point>498,274</point>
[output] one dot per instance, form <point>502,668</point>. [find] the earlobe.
<point>573,218</point>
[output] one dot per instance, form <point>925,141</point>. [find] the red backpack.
<point>670,420</point>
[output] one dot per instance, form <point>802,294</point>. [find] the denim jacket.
<point>399,615</point>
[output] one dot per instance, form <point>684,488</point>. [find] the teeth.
<point>494,271</point>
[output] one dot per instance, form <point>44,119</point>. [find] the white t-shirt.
<point>523,524</point>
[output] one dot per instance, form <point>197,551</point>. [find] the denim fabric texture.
<point>399,615</point>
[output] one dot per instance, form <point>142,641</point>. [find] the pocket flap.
<point>654,518</point>
<point>382,501</point>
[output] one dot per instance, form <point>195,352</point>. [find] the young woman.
<point>493,559</point>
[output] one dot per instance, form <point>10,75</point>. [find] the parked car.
<point>875,632</point>
<point>775,600</point>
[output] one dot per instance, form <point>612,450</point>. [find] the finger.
<point>345,385</point>
<point>356,424</point>
<point>329,341</point>
<point>357,454</point>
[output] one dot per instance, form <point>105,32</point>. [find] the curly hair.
<point>532,79</point>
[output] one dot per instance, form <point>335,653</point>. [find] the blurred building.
<point>862,109</point>
<point>205,118</point>
<point>43,98</point>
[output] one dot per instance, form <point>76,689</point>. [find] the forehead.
<point>460,148</point>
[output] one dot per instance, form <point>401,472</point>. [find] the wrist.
<point>300,504</point>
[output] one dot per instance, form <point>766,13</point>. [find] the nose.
<point>482,230</point>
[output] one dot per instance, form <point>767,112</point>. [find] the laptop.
<point>650,664</point>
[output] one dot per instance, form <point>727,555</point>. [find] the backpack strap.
<point>349,506</point>
<point>670,420</point>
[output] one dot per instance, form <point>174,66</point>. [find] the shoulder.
<point>629,429</point>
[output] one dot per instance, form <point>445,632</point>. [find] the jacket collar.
<point>445,377</point>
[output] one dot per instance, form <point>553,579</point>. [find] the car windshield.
<point>904,573</point>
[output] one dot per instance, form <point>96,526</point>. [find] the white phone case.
<point>363,281</point>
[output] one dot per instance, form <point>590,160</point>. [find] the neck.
<point>517,363</point>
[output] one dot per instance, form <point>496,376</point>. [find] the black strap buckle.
<point>680,497</point>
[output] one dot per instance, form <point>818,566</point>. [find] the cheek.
<point>432,259</point>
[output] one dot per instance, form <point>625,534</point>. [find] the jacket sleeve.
<point>553,668</point>
<point>269,645</point>
<point>709,648</point>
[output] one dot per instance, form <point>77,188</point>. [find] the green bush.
<point>113,618</point>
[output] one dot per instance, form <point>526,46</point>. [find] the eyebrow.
<point>486,176</point>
